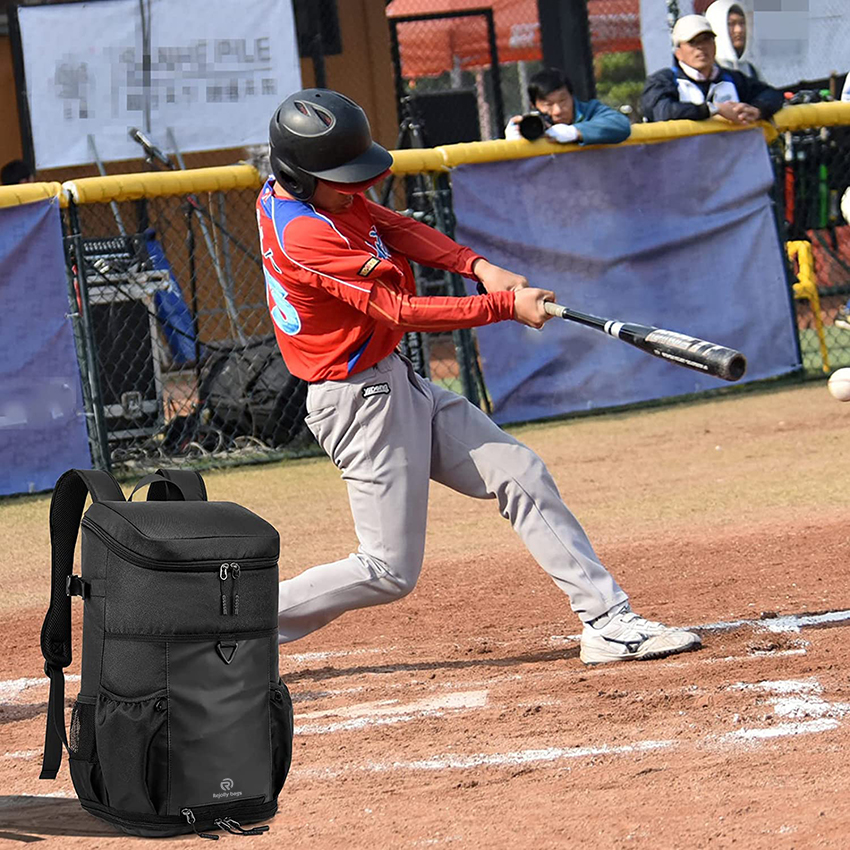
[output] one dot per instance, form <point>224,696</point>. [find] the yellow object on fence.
<point>806,288</point>
<point>122,187</point>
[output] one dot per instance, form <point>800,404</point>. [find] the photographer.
<point>566,119</point>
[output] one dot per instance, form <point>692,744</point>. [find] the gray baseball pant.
<point>391,432</point>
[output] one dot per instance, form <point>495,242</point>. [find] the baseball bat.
<point>690,352</point>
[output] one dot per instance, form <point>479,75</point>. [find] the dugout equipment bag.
<point>182,723</point>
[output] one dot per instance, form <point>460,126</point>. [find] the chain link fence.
<point>179,358</point>
<point>462,74</point>
<point>812,172</point>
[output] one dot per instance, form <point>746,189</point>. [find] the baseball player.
<point>341,295</point>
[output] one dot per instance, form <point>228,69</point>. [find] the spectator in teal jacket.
<point>586,122</point>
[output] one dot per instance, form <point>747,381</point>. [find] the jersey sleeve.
<point>329,261</point>
<point>437,313</point>
<point>421,243</point>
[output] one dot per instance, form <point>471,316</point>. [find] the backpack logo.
<point>376,389</point>
<point>226,785</point>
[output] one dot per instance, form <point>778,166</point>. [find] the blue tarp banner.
<point>680,235</point>
<point>42,422</point>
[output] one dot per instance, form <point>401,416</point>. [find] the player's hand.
<point>512,130</point>
<point>563,133</point>
<point>497,279</point>
<point>528,306</point>
<point>738,113</point>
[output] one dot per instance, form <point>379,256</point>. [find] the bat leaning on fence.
<point>707,357</point>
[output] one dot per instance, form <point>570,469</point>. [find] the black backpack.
<point>182,722</point>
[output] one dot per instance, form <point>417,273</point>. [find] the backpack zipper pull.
<point>236,828</point>
<point>222,580</point>
<point>235,571</point>
<point>190,818</point>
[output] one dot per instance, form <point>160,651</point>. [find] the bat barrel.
<point>706,357</point>
<point>731,365</point>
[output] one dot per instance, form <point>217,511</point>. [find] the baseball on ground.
<point>839,384</point>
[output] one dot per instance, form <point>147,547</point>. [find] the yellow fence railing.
<point>124,187</point>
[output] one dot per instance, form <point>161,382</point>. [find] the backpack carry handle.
<point>173,485</point>
<point>190,483</point>
<point>66,510</point>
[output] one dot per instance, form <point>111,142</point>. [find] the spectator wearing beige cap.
<point>695,87</point>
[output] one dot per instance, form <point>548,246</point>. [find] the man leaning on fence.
<point>568,119</point>
<point>695,87</point>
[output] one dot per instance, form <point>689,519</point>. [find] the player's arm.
<point>411,313</point>
<point>429,247</point>
<point>374,286</point>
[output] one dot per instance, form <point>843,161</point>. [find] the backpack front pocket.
<point>132,747</point>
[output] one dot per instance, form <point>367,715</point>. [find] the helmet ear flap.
<point>298,183</point>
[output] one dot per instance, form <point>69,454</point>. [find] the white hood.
<point>717,14</point>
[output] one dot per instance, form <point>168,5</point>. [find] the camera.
<point>533,125</point>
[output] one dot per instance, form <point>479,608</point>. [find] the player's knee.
<point>396,578</point>
<point>401,581</point>
<point>524,476</point>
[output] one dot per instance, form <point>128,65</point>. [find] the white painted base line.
<point>450,761</point>
<point>778,625</point>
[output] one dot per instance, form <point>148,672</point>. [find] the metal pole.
<point>462,338</point>
<point>100,441</point>
<point>146,60</point>
<point>495,73</point>
<point>225,244</point>
<point>399,82</point>
<point>229,303</point>
<point>113,205</point>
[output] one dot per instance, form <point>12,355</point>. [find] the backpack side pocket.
<point>281,734</point>
<point>82,761</point>
<point>132,747</point>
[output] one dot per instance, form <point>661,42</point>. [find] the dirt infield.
<point>461,716</point>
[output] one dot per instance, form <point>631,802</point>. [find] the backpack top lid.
<point>184,532</point>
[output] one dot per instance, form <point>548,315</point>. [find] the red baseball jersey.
<point>340,288</point>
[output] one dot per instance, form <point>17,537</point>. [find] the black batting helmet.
<point>322,134</point>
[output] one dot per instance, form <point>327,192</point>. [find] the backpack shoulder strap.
<point>66,510</point>
<point>189,482</point>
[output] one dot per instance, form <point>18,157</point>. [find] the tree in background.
<point>619,80</point>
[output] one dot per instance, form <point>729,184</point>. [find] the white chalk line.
<point>792,699</point>
<point>793,623</point>
<point>798,701</point>
<point>11,689</point>
<point>512,759</point>
<point>386,712</point>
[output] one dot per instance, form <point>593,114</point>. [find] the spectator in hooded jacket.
<point>695,87</point>
<point>588,122</point>
<point>729,22</point>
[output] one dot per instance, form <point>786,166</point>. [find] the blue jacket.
<point>600,124</point>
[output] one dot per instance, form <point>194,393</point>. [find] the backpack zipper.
<point>222,583</point>
<point>190,818</point>
<point>235,828</point>
<point>153,564</point>
<point>235,570</point>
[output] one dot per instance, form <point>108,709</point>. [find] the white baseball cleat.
<point>629,637</point>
